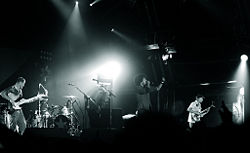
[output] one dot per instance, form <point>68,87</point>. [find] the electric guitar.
<point>197,117</point>
<point>17,104</point>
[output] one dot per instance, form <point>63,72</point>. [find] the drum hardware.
<point>42,120</point>
<point>57,116</point>
<point>61,121</point>
<point>4,113</point>
<point>67,110</point>
<point>55,110</point>
<point>5,118</point>
<point>88,100</point>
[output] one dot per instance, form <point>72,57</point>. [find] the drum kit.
<point>57,116</point>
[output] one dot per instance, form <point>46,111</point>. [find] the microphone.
<point>95,80</point>
<point>70,84</point>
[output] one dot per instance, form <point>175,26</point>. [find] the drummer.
<point>65,111</point>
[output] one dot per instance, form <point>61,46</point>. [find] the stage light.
<point>165,57</point>
<point>233,81</point>
<point>152,47</point>
<point>244,58</point>
<point>109,70</point>
<point>205,84</point>
<point>241,91</point>
<point>96,1</point>
<point>241,75</point>
<point>112,30</point>
<point>76,2</point>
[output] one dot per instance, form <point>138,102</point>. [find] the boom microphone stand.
<point>110,95</point>
<point>88,100</point>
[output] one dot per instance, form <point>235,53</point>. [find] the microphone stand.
<point>38,117</point>
<point>110,95</point>
<point>89,99</point>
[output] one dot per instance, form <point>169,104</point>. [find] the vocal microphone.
<point>95,80</point>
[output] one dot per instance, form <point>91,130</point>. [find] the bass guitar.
<point>17,104</point>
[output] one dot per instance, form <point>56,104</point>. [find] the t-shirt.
<point>16,92</point>
<point>15,96</point>
<point>143,97</point>
<point>195,106</point>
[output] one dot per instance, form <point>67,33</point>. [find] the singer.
<point>143,89</point>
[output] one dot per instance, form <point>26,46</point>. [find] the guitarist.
<point>13,95</point>
<point>194,109</point>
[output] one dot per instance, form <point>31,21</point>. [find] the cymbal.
<point>70,97</point>
<point>54,106</point>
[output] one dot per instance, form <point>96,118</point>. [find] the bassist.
<point>13,95</point>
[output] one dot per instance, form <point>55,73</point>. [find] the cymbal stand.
<point>39,117</point>
<point>44,118</point>
<point>73,127</point>
<point>71,112</point>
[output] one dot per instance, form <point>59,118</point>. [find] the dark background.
<point>208,35</point>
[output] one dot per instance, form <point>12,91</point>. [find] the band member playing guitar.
<point>195,112</point>
<point>13,95</point>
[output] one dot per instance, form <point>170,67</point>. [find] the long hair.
<point>138,78</point>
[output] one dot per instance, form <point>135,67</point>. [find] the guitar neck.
<point>205,109</point>
<point>30,100</point>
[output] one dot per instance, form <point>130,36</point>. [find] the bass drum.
<point>62,122</point>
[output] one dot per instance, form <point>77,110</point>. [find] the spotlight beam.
<point>93,3</point>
